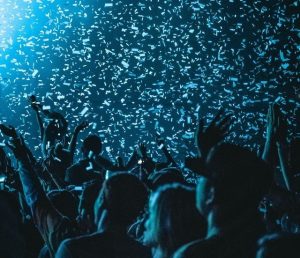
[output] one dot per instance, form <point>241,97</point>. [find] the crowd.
<point>242,205</point>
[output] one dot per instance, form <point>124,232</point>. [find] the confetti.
<point>134,69</point>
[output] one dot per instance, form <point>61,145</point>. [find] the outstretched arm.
<point>161,145</point>
<point>51,224</point>
<point>73,142</point>
<point>270,151</point>
<point>36,106</point>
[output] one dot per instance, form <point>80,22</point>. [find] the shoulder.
<point>78,165</point>
<point>71,246</point>
<point>75,169</point>
<point>193,249</point>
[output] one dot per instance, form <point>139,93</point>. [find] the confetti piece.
<point>84,111</point>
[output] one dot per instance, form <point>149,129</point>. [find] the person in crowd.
<point>173,220</point>
<point>87,169</point>
<point>88,197</point>
<point>239,196</point>
<point>52,225</point>
<point>228,195</point>
<point>56,128</point>
<point>67,204</point>
<point>154,181</point>
<point>121,200</point>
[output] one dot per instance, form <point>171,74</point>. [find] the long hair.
<point>173,219</point>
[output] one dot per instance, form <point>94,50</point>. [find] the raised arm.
<point>161,145</point>
<point>73,142</point>
<point>206,137</point>
<point>51,224</point>
<point>270,150</point>
<point>132,162</point>
<point>36,106</point>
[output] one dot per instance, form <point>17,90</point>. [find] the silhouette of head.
<point>65,202</point>
<point>165,176</point>
<point>235,178</point>
<point>173,218</point>
<point>123,196</point>
<point>91,145</point>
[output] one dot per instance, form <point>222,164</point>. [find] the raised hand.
<point>81,126</point>
<point>207,137</point>
<point>8,130</point>
<point>142,149</point>
<point>159,139</point>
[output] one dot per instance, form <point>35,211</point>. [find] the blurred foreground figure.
<point>228,196</point>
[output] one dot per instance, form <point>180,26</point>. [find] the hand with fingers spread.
<point>207,137</point>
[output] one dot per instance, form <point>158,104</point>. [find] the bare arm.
<point>270,150</point>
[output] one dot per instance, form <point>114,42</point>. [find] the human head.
<point>165,176</point>
<point>235,178</point>
<point>86,204</point>
<point>123,196</point>
<point>173,218</point>
<point>279,245</point>
<point>65,202</point>
<point>91,143</point>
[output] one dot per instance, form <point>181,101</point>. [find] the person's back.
<point>278,245</point>
<point>104,245</point>
<point>86,169</point>
<point>237,243</point>
<point>83,171</point>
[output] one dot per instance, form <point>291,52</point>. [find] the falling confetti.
<point>136,67</point>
